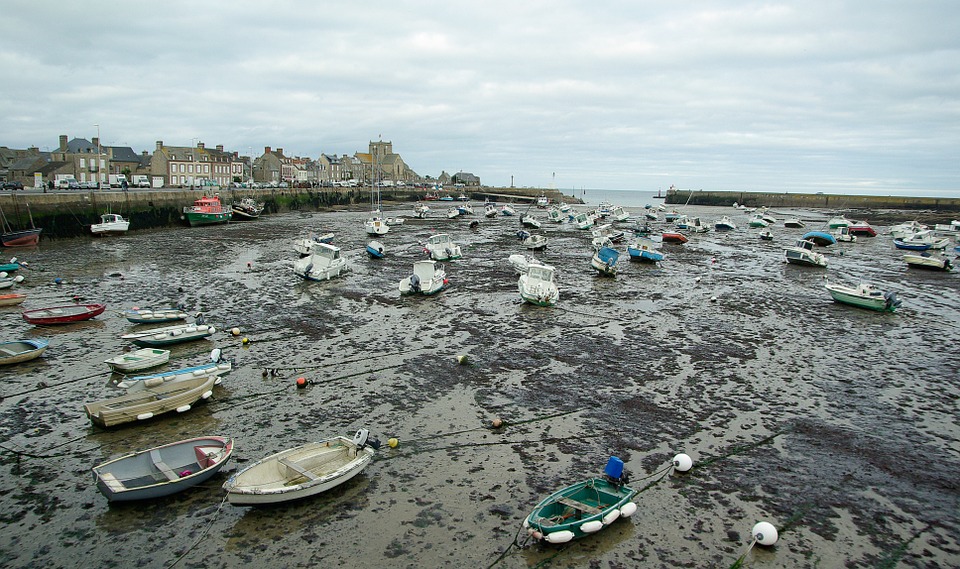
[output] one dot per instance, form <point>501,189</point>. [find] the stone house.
<point>186,166</point>
<point>268,168</point>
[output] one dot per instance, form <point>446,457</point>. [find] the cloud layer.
<point>823,96</point>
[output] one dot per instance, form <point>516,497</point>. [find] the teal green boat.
<point>864,296</point>
<point>583,508</point>
<point>207,211</point>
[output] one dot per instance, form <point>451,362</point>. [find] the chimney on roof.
<point>144,153</point>
<point>159,145</point>
<point>219,148</point>
<point>200,145</point>
<point>279,151</point>
<point>96,141</point>
<point>266,150</point>
<point>63,142</point>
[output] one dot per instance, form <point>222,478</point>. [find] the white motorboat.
<point>391,221</point>
<point>507,209</point>
<point>529,220</point>
<point>535,242</point>
<point>583,220</point>
<point>865,296</point>
<point>927,261</point>
<point>619,214</point>
<point>302,471</point>
<point>442,248</point>
<point>902,230</point>
<point>604,260</point>
<point>555,215</point>
<point>428,278</point>
<point>304,246</point>
<point>839,221</point>
<point>536,285</point>
<point>421,210</point>
<point>793,222</point>
<point>490,210</point>
<point>453,212</point>
<point>110,224</point>
<point>323,263</point>
<point>520,263</point>
<point>923,238</point>
<point>724,224</point>
<point>803,254</point>
<point>216,367</point>
<point>843,234</point>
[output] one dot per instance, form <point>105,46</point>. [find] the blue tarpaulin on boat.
<point>821,238</point>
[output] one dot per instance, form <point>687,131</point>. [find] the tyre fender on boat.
<point>562,536</point>
<point>591,527</point>
<point>628,509</point>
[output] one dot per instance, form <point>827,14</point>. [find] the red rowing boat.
<point>63,314</point>
<point>673,237</point>
<point>11,299</point>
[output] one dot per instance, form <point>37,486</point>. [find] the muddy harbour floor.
<point>837,425</point>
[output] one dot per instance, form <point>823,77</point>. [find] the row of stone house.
<point>199,166</point>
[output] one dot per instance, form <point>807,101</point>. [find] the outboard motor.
<point>892,300</point>
<point>363,438</point>
<point>414,283</point>
<point>615,473</point>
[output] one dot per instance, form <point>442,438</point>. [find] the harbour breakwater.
<point>819,200</point>
<point>64,214</point>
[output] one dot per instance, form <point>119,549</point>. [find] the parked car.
<point>12,185</point>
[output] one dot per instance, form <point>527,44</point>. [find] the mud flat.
<point>837,425</point>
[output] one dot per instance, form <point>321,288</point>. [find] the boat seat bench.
<point>7,352</point>
<point>162,466</point>
<point>577,505</point>
<point>298,468</point>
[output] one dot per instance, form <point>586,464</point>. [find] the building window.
<point>83,163</point>
<point>183,168</point>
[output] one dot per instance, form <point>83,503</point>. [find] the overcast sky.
<point>860,96</point>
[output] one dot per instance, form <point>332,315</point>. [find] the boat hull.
<point>198,219</point>
<point>150,402</point>
<point>22,238</point>
<point>21,351</point>
<point>63,314</point>
<point>298,473</point>
<point>138,360</point>
<point>11,299</point>
<point>853,297</point>
<point>574,512</point>
<point>162,470</point>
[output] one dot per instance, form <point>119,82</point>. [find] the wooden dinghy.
<point>169,335</point>
<point>302,471</point>
<point>154,315</point>
<point>137,360</point>
<point>12,299</point>
<point>583,508</point>
<point>63,314</point>
<point>21,351</point>
<point>150,402</point>
<point>162,470</point>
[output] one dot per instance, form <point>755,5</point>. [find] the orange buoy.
<point>301,382</point>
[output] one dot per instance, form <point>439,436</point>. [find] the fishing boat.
<point>724,224</point>
<point>247,209</point>
<point>12,299</point>
<point>421,210</point>
<point>302,471</point>
<point>154,315</point>
<point>375,249</point>
<point>793,222</point>
<point>63,314</point>
<point>925,260</point>
<point>583,220</point>
<point>110,224</point>
<point>803,254</point>
<point>441,247</point>
<point>536,285</point>
<point>618,213</point>
<point>644,249</point>
<point>555,215</point>
<point>839,221</point>
<point>162,470</point>
<point>216,367</point>
<point>143,358</point>
<point>169,335</point>
<point>21,351</point>
<point>535,242</point>
<point>507,209</point>
<point>207,210</point>
<point>604,260</point>
<point>865,296</point>
<point>861,228</point>
<point>528,220</point>
<point>428,278</point>
<point>821,238</point>
<point>673,237</point>
<point>151,401</point>
<point>23,237</point>
<point>583,508</point>
<point>304,246</point>
<point>843,234</point>
<point>323,263</point>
